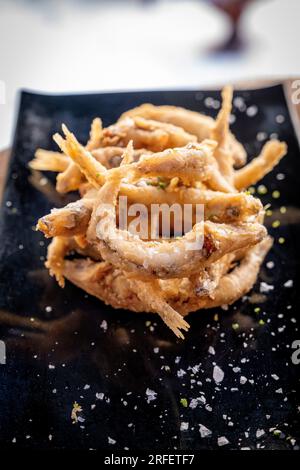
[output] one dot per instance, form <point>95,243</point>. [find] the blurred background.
<point>97,45</point>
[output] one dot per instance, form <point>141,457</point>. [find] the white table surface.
<point>65,46</point>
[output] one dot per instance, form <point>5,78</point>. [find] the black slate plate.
<point>63,346</point>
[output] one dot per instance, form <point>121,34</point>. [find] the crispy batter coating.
<point>220,134</point>
<point>271,154</point>
<point>200,125</point>
<point>194,162</point>
<point>74,218</point>
<point>71,178</point>
<point>161,155</point>
<point>145,133</point>
<point>206,242</point>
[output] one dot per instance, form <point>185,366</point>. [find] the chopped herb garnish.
<point>276,223</point>
<point>184,402</point>
<point>235,326</point>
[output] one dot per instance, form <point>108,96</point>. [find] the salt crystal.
<point>259,433</point>
<point>193,403</point>
<point>151,395</point>
<point>184,426</point>
<point>279,118</point>
<point>222,441</point>
<point>204,431</point>
<point>218,374</point>
<point>275,377</point>
<point>265,288</point>
<point>103,325</point>
<point>252,111</point>
<point>180,373</point>
<point>261,136</point>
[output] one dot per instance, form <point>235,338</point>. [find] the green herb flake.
<point>162,184</point>
<point>235,326</point>
<point>184,402</point>
<point>276,223</point>
<point>276,194</point>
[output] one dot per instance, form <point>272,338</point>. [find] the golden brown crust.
<point>173,156</point>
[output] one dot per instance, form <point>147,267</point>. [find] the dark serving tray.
<point>139,387</point>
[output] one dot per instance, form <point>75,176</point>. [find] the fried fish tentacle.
<point>96,135</point>
<point>47,160</point>
<point>56,253</point>
<point>233,285</point>
<point>67,221</point>
<point>74,218</point>
<point>220,134</point>
<point>270,156</point>
<point>194,162</point>
<point>90,167</point>
<point>166,156</point>
<point>164,259</point>
<point>193,122</point>
<point>145,133</point>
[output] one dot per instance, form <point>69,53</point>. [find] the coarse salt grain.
<point>151,395</point>
<point>184,426</point>
<point>218,374</point>
<point>204,431</point>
